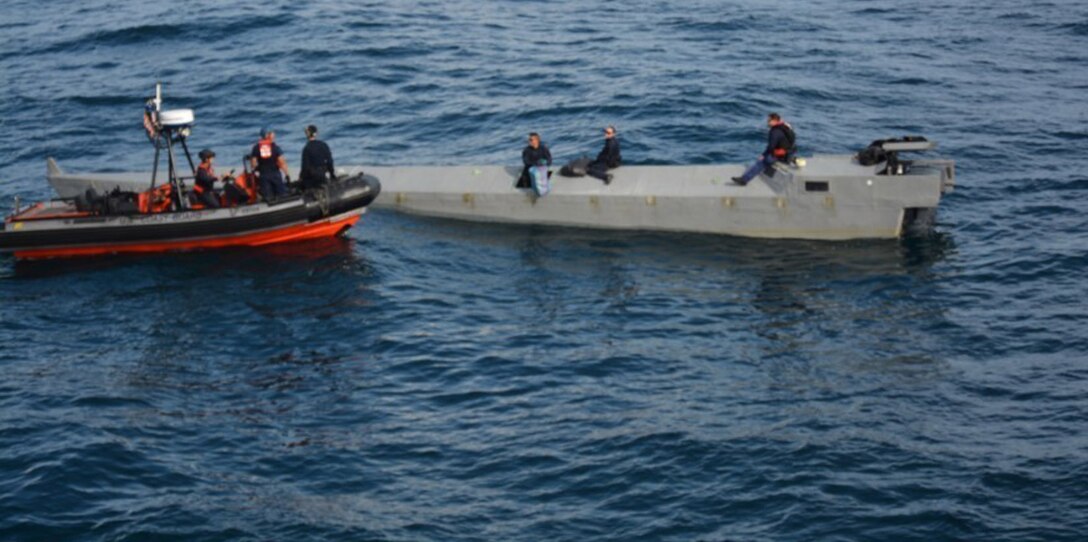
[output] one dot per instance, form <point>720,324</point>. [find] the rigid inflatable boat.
<point>110,225</point>
<point>143,216</point>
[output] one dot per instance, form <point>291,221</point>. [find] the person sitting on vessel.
<point>781,146</point>
<point>204,183</point>
<point>268,162</point>
<point>608,158</point>
<point>316,161</point>
<point>531,156</point>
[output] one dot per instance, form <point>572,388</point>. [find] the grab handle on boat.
<point>17,203</point>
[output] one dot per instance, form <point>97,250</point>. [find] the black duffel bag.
<point>575,168</point>
<point>122,203</point>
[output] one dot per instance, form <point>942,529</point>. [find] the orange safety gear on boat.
<point>209,171</point>
<point>156,200</point>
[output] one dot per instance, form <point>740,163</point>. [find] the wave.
<point>1076,29</point>
<point>146,34</point>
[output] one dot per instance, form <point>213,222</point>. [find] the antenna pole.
<point>155,167</point>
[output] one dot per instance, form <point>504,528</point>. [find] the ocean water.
<point>435,380</point>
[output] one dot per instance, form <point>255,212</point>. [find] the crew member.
<point>781,145</point>
<point>268,163</point>
<point>535,153</point>
<point>316,161</point>
<point>608,158</point>
<point>204,185</point>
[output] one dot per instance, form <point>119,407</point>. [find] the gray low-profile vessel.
<point>832,197</point>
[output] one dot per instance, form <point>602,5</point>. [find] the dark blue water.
<point>432,380</point>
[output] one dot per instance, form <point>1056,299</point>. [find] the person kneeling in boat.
<point>204,183</point>
<point>268,163</point>
<point>531,156</point>
<point>608,158</point>
<point>781,146</point>
<point>317,165</point>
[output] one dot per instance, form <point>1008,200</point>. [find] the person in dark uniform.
<point>532,155</point>
<point>204,184</point>
<point>608,158</point>
<point>268,163</point>
<point>317,164</point>
<point>781,146</point>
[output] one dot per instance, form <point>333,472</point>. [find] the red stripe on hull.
<point>298,232</point>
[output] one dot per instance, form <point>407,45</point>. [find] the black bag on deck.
<point>122,203</point>
<point>89,201</point>
<point>575,168</point>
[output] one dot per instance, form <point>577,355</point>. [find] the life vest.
<point>156,200</point>
<point>264,149</point>
<point>244,184</point>
<point>789,146</point>
<point>209,171</point>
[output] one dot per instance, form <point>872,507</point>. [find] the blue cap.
<point>265,131</point>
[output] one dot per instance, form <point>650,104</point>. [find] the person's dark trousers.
<point>761,165</point>
<point>209,199</point>
<point>272,187</point>
<point>524,181</point>
<point>598,170</point>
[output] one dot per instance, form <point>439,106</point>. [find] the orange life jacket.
<point>245,182</point>
<point>207,169</point>
<point>156,200</point>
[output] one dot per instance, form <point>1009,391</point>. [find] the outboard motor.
<point>887,150</point>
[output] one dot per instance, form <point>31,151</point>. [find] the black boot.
<point>740,181</point>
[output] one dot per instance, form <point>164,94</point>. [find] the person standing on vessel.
<point>316,161</point>
<point>781,145</point>
<point>268,163</point>
<point>531,156</point>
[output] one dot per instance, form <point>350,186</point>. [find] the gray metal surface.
<point>904,146</point>
<point>831,197</point>
<point>70,185</point>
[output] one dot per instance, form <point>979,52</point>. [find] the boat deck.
<point>48,210</point>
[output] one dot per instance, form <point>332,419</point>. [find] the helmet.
<point>206,154</point>
<point>265,131</point>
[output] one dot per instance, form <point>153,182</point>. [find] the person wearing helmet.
<point>204,184</point>
<point>269,165</point>
<point>317,165</point>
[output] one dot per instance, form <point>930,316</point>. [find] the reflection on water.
<point>535,244</point>
<point>268,258</point>
<point>797,308</point>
